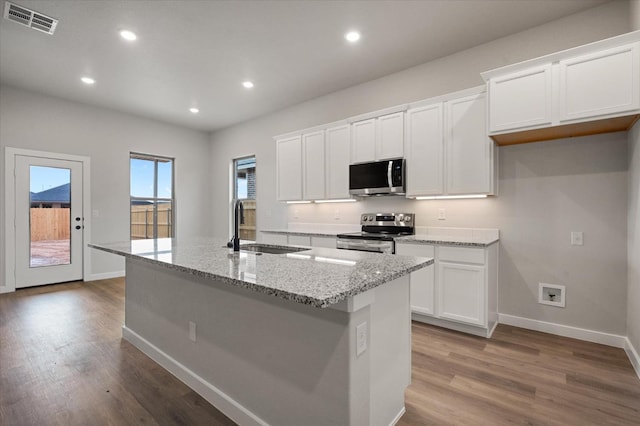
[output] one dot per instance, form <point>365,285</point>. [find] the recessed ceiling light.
<point>247,84</point>
<point>352,36</point>
<point>88,80</point>
<point>194,110</point>
<point>128,35</point>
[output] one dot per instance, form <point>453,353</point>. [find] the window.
<point>152,198</point>
<point>244,188</point>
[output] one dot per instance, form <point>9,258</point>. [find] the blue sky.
<point>43,178</point>
<point>142,178</point>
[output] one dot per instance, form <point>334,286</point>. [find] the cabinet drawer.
<point>461,254</point>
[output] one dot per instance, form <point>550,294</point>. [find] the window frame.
<point>155,199</point>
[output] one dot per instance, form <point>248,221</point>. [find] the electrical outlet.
<point>361,339</point>
<point>577,238</point>
<point>442,215</point>
<point>95,213</point>
<point>336,215</point>
<point>192,331</point>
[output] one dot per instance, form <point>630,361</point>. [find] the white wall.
<point>634,15</point>
<point>633,289</point>
<point>38,122</point>
<point>548,189</point>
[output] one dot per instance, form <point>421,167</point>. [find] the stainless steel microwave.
<point>377,178</point>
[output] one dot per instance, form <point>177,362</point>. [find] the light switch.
<point>577,238</point>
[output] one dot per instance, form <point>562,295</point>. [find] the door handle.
<point>78,226</point>
<point>77,219</point>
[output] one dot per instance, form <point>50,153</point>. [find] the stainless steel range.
<point>378,232</point>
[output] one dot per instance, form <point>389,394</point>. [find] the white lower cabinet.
<point>299,240</point>
<point>459,291</point>
<point>322,241</point>
<point>275,239</point>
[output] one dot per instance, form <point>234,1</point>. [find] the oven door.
<point>376,246</point>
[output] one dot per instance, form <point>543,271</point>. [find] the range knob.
<point>400,217</point>
<point>371,218</point>
<point>365,218</point>
<point>407,219</point>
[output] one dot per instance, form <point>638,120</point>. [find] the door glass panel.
<point>50,221</point>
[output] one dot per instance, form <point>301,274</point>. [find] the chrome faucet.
<point>238,218</point>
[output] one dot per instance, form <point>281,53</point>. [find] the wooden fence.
<point>142,221</point>
<point>50,224</point>
<point>248,229</point>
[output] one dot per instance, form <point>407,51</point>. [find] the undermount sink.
<point>267,248</point>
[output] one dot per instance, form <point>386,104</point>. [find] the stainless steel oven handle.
<point>389,168</point>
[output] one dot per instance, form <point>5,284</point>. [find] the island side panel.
<point>390,351</point>
<point>260,359</point>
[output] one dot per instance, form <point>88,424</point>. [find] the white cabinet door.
<point>469,151</point>
<point>422,280</point>
<point>326,242</point>
<point>313,166</point>
<point>520,100</point>
<point>363,141</point>
<point>289,168</point>
<point>337,144</point>
<point>390,136</point>
<point>461,293</point>
<point>602,83</point>
<point>425,155</point>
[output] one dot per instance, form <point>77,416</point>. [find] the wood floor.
<point>63,362</point>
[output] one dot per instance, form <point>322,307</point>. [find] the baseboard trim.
<point>397,418</point>
<point>223,402</point>
<point>564,330</point>
<point>453,325</point>
<point>104,276</point>
<point>633,355</point>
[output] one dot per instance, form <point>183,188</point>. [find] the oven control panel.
<point>387,219</point>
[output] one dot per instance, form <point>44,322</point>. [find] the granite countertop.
<point>462,241</point>
<point>448,240</point>
<point>319,277</point>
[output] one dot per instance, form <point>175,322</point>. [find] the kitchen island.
<point>318,336</point>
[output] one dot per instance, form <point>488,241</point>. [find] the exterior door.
<point>48,221</point>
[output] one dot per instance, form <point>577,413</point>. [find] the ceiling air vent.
<point>29,18</point>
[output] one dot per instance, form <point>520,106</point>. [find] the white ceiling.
<point>197,53</point>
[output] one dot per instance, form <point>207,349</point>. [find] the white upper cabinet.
<point>448,150</point>
<point>380,138</point>
<point>337,145</point>
<point>289,168</point>
<point>581,91</point>
<point>521,99</point>
<point>600,84</point>
<point>469,151</point>
<point>313,150</point>
<point>425,151</point>
<point>363,141</point>
<point>390,136</point>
